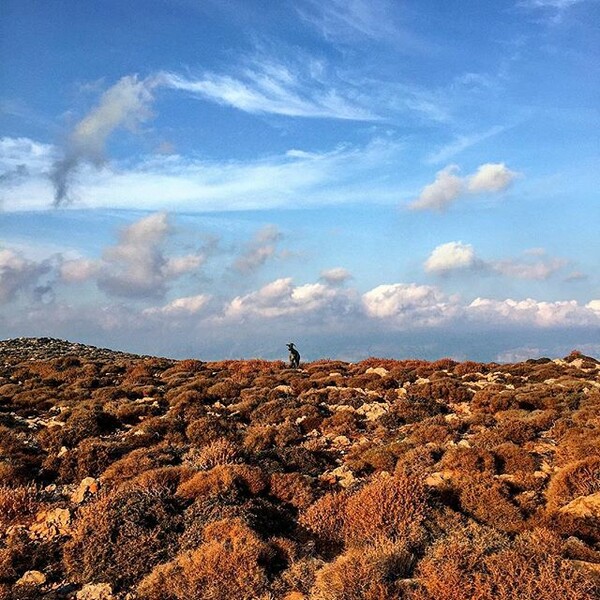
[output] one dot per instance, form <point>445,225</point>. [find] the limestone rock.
<point>52,523</point>
<point>87,487</point>
<point>583,506</point>
<point>95,591</point>
<point>372,411</point>
<point>32,578</point>
<point>378,371</point>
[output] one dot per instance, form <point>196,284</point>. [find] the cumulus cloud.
<point>185,306</point>
<point>456,256</point>
<point>137,265</point>
<point>19,274</point>
<point>491,177</point>
<point>449,186</point>
<point>408,304</point>
<point>125,105</point>
<point>262,247</point>
<point>452,256</point>
<point>335,276</point>
<point>530,312</point>
<point>281,298</point>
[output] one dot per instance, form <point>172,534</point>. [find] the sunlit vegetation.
<point>379,480</point>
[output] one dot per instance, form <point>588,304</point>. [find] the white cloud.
<point>335,276</point>
<point>529,312</point>
<point>451,256</point>
<point>456,256</point>
<point>448,186</point>
<point>344,174</point>
<point>78,270</point>
<point>491,177</point>
<point>19,274</point>
<point>541,270</point>
<point>408,304</point>
<point>185,306</point>
<point>259,250</point>
<point>281,298</point>
<point>137,266</point>
<point>273,88</point>
<point>126,104</point>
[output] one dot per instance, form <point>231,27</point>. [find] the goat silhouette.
<point>294,356</point>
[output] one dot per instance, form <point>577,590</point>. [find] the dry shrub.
<point>388,507</point>
<point>445,390</point>
<point>325,519</point>
<point>295,582</point>
<point>222,479</point>
<point>139,460</point>
<point>121,535</point>
<point>463,567</point>
<point>364,574</point>
<point>493,398</point>
<point>293,488</point>
<point>209,429</point>
<point>413,409</point>
<point>229,564</point>
<point>343,422</point>
<point>17,504</point>
<point>225,390</point>
<point>219,452</point>
<point>581,478</point>
<point>576,443</point>
<point>373,457</point>
<point>489,501</point>
<point>432,430</point>
<point>19,459</point>
<point>468,460</point>
<point>511,458</point>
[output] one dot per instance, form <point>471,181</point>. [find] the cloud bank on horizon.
<point>352,170</point>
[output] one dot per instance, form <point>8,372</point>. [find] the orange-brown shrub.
<point>221,479</point>
<point>387,508</point>
<point>229,564</point>
<point>468,460</point>
<point>581,478</point>
<point>413,409</point>
<point>489,501</point>
<point>445,390</point>
<point>219,452</point>
<point>17,504</point>
<point>325,518</point>
<point>511,458</point>
<point>208,429</point>
<point>459,567</point>
<point>121,535</point>
<point>293,488</point>
<point>139,460</point>
<point>493,398</point>
<point>364,574</point>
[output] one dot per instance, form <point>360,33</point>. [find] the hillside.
<point>147,478</point>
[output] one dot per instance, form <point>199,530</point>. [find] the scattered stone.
<point>95,591</point>
<point>372,411</point>
<point>341,475</point>
<point>377,371</point>
<point>32,578</point>
<point>438,479</point>
<point>583,506</point>
<point>52,523</point>
<point>87,487</point>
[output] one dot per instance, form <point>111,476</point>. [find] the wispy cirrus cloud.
<point>268,87</point>
<point>294,178</point>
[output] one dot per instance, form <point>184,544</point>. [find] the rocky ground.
<point>124,476</point>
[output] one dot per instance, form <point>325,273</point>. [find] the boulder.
<point>95,591</point>
<point>32,578</point>
<point>87,487</point>
<point>583,506</point>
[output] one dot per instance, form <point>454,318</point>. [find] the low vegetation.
<point>152,479</point>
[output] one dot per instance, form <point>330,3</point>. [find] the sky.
<point>217,178</point>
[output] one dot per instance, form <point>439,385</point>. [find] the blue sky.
<point>217,178</point>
